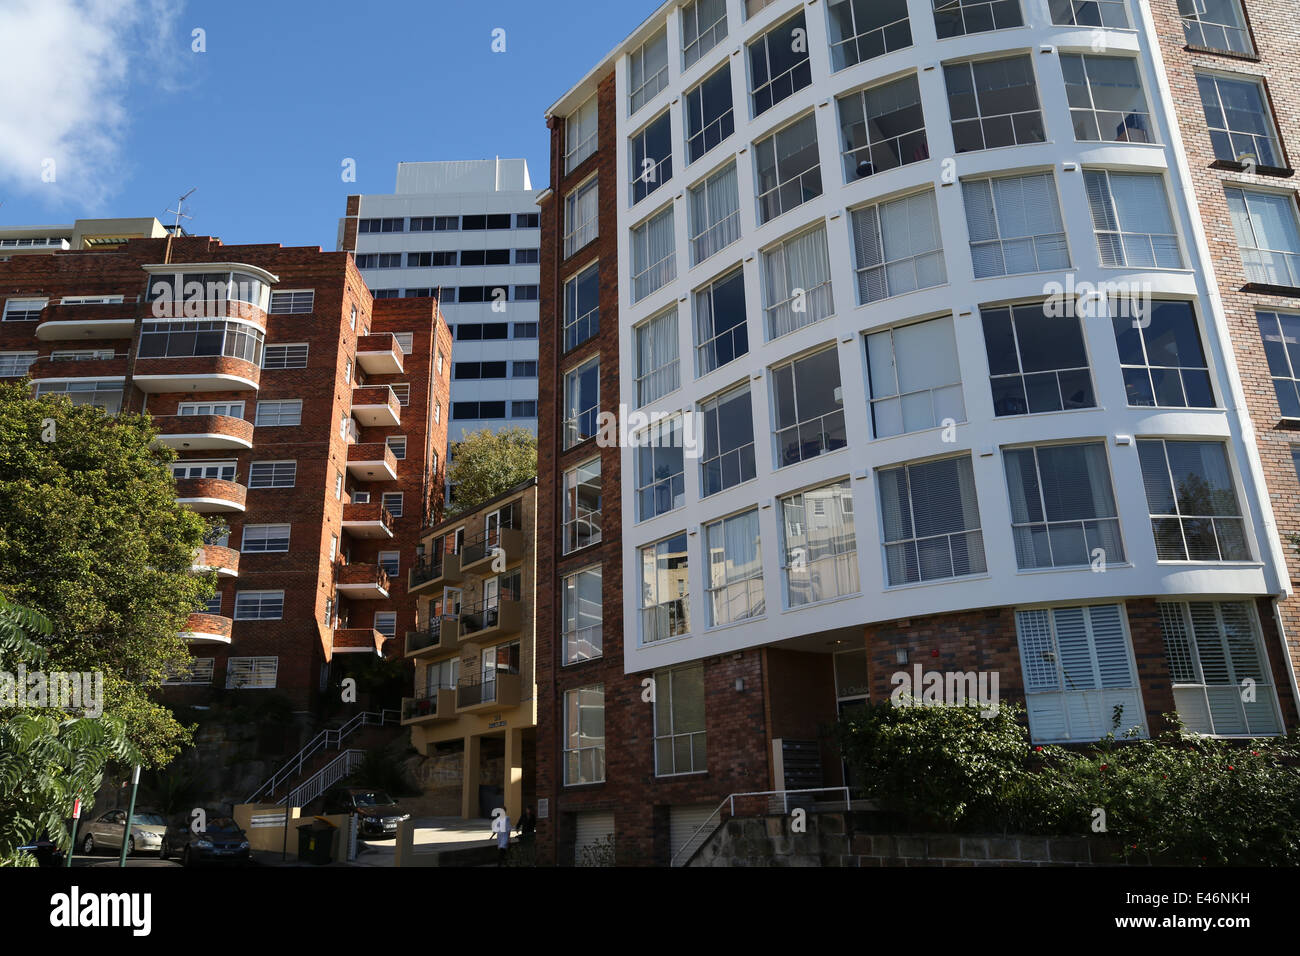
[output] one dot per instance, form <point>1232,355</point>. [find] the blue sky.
<point>286,90</point>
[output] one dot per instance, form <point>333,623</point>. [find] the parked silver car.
<point>147,829</point>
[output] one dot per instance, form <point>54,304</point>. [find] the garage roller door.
<point>593,826</point>
<point>684,823</point>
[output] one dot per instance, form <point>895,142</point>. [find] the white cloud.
<point>68,67</point>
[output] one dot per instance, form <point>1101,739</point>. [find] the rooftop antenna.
<point>180,205</point>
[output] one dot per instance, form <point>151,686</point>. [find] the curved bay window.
<point>176,294</point>
<point>185,339</point>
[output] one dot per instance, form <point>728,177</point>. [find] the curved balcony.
<point>367,520</point>
<point>379,354</point>
<point>427,575</point>
<point>372,461</point>
<point>86,322</point>
<point>213,557</point>
<point>438,704</point>
<point>63,369</point>
<point>358,640</point>
<point>376,405</point>
<point>204,432</point>
<point>207,629</point>
<point>197,373</point>
<point>211,495</point>
<point>362,582</point>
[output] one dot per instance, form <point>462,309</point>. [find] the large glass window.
<point>584,735</point>
<point>665,590</point>
<point>818,546</point>
<point>1090,13</point>
<point>728,429</point>
<point>915,378</point>
<point>808,408</point>
<point>582,307</point>
<point>1038,362</point>
<point>1062,506</point>
<point>778,63</point>
<point>709,116</point>
<point>898,248</point>
<point>579,138</point>
<point>647,71</point>
<point>931,521</point>
<point>721,332</point>
<point>106,395</point>
<point>651,155</point>
<point>865,29</point>
<point>1195,512</point>
<point>954,18</point>
<point>265,538</point>
<point>789,170</point>
<point>582,506</point>
<point>259,605</point>
<point>654,254</point>
<point>715,214</point>
<point>660,469</point>
<point>1281,334</point>
<point>1164,363</point>
<point>994,103</point>
<point>658,364</point>
<point>283,412</point>
<point>882,128</point>
<point>581,402</point>
<point>1015,225</point>
<point>1132,220</point>
<point>581,216</point>
<point>186,339</point>
<point>1216,25</point>
<point>704,25</point>
<point>735,587</point>
<point>679,721</point>
<point>1267,235</point>
<point>582,611</point>
<point>1241,127</point>
<point>1106,99</point>
<point>797,282</point>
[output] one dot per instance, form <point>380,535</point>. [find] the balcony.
<point>499,693</point>
<point>438,704</point>
<point>212,557</point>
<point>379,354</point>
<point>106,365</point>
<point>211,495</point>
<point>358,640</point>
<point>376,406</point>
<point>372,461</point>
<point>476,555</point>
<point>490,620</point>
<point>367,520</point>
<point>87,321</point>
<point>204,432</point>
<point>440,635</point>
<point>362,582</point>
<point>427,575</point>
<point>207,629</point>
<point>196,373</point>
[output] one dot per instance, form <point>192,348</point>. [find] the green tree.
<point>91,537</point>
<point>487,463</point>
<point>47,757</point>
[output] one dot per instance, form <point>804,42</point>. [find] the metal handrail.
<point>730,802</point>
<point>326,739</point>
<point>340,768</point>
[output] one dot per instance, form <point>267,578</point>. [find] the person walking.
<point>501,830</point>
<point>527,825</point>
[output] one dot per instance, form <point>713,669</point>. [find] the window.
<point>679,721</point>
<point>710,118</point>
<point>581,216</point>
<point>525,293</point>
<point>1195,514</point>
<point>446,223</point>
<point>1164,363</point>
<point>954,18</point>
<point>1078,669</point>
<point>272,474</point>
<point>1038,362</point>
<point>334,548</point>
<point>582,402</point>
<point>379,260</point>
<point>753,7</point>
<point>259,605</point>
<point>789,172</point>
<point>279,413</point>
<point>219,470</point>
<point>797,282</point>
<point>251,673</point>
<point>715,214</point>
<point>15,364</point>
<point>1216,25</point>
<point>285,356</point>
<point>105,395</point>
<point>212,605</point>
<point>23,310</point>
<point>526,409</point>
<point>392,500</point>
<point>528,220</point>
<point>397,444</point>
<point>1062,506</point>
<point>735,584</point>
<point>652,157</point>
<point>382,225</point>
<point>778,63</point>
<point>582,506</point>
<point>647,69</point>
<point>386,293</point>
<point>519,330</point>
<point>898,248</point>
<point>882,128</point>
<point>704,25</point>
<point>1089,13</point>
<point>420,224</point>
<point>292,303</point>
<point>818,547</point>
<point>660,469</point>
<point>1130,214</point>
<point>582,610</point>
<point>1281,334</point>
<point>654,254</point>
<point>338,485</point>
<point>386,623</point>
<point>720,325</point>
<point>865,29</point>
<point>665,590</point>
<point>437,412</point>
<point>1267,236</point>
<point>1213,649</point>
<point>584,735</point>
<point>493,221</point>
<point>931,521</point>
<point>580,135</point>
<point>915,378</point>
<point>391,562</point>
<point>185,339</point>
<point>1015,225</point>
<point>728,429</point>
<point>526,369</point>
<point>1106,99</point>
<point>265,538</point>
<point>994,103</point>
<point>582,307</point>
<point>1241,129</point>
<point>200,672</point>
<point>807,408</point>
<point>658,368</point>
<point>403,392</point>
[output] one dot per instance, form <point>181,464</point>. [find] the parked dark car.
<point>376,811</point>
<point>221,842</point>
<point>45,850</point>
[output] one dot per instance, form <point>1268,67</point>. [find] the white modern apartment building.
<point>470,230</point>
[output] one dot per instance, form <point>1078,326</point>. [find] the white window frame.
<point>882,392</point>
<point>24,310</point>
<point>266,539</point>
<point>578,234</point>
<point>277,411</point>
<point>261,602</point>
<point>571,734</point>
<point>665,697</point>
<point>294,299</point>
<point>261,673</point>
<point>581,643</point>
<point>283,474</point>
<point>577,124</point>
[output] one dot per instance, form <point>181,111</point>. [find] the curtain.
<point>715,208</point>
<point>658,368</point>
<point>653,251</point>
<point>799,263</point>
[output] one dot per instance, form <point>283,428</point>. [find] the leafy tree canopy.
<point>487,463</point>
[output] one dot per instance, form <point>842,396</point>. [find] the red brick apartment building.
<point>823,239</point>
<point>308,419</point>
